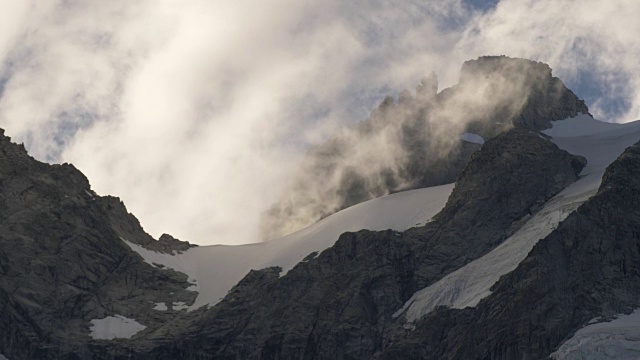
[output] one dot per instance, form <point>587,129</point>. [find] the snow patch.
<point>2,357</point>
<point>179,305</point>
<point>580,125</point>
<point>600,142</point>
<point>617,339</point>
<point>114,327</point>
<point>468,285</point>
<point>160,306</point>
<point>472,138</point>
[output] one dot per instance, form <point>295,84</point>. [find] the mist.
<point>197,113</point>
<point>417,140</point>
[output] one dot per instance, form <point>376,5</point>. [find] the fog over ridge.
<point>196,113</point>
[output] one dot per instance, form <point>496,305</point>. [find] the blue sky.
<point>482,4</point>
<point>195,112</point>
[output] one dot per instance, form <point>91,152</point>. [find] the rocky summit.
<point>524,244</point>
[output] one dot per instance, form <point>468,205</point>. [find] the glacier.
<point>215,269</point>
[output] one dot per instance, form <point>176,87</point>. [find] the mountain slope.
<point>600,143</point>
<point>339,304</point>
<point>216,269</point>
<point>62,263</point>
<point>586,268</point>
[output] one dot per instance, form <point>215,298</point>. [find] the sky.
<point>195,113</point>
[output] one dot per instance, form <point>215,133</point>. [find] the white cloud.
<point>195,112</point>
<point>577,38</point>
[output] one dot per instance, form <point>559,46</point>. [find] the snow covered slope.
<point>469,284</point>
<point>115,327</point>
<point>601,143</point>
<point>617,339</point>
<point>472,138</point>
<point>214,270</point>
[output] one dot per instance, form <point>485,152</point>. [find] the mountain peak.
<point>505,66</point>
<point>420,141</point>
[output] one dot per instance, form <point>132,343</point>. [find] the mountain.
<point>421,140</point>
<point>532,253</point>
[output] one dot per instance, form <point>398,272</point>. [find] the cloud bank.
<point>196,112</point>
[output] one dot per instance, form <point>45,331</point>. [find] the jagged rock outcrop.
<point>495,194</point>
<point>526,154</point>
<point>416,141</point>
<point>129,228</point>
<point>63,261</point>
<point>535,97</point>
<point>340,303</point>
<point>587,268</point>
<point>169,245</point>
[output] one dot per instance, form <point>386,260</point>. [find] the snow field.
<point>215,269</point>
<point>617,339</point>
<point>113,327</point>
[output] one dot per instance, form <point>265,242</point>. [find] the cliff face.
<point>416,141</point>
<point>63,261</point>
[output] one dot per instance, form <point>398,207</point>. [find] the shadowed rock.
<point>63,261</point>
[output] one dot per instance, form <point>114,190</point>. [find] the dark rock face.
<point>526,156</point>
<point>129,228</point>
<point>63,263</point>
<point>540,97</point>
<point>417,140</point>
<point>588,267</point>
<point>505,183</point>
<point>168,244</point>
<point>339,305</point>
